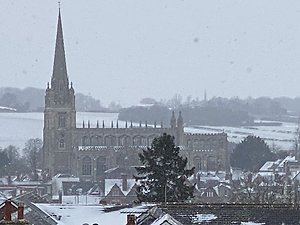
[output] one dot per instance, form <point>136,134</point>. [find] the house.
<point>119,191</point>
<point>211,187</point>
<point>216,214</point>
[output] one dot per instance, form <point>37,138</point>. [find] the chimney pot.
<point>131,220</point>
<point>20,211</point>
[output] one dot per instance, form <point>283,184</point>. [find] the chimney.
<point>20,211</point>
<point>131,220</point>
<point>7,210</point>
<point>124,182</point>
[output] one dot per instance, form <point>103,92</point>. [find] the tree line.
<point>22,163</point>
<point>32,100</point>
<point>216,111</point>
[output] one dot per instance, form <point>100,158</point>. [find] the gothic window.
<point>99,140</point>
<point>84,141</point>
<point>86,166</point>
<point>124,140</point>
<point>136,141</point>
<point>62,121</point>
<point>195,144</point>
<point>110,141</point>
<point>100,165</point>
<point>197,163</point>
<point>94,141</point>
<point>209,194</point>
<point>189,143</point>
<point>61,143</point>
<point>211,163</point>
<point>143,141</point>
<point>201,145</point>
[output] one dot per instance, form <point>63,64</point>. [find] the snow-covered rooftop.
<point>109,183</point>
<point>80,214</point>
<point>166,219</point>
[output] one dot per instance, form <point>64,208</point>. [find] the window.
<point>137,141</point>
<point>101,165</point>
<point>143,141</point>
<point>209,194</point>
<point>84,141</point>
<point>110,141</point>
<point>61,143</point>
<point>211,163</point>
<point>62,121</point>
<point>195,144</point>
<point>86,166</point>
<point>189,143</point>
<point>124,140</point>
<point>197,163</point>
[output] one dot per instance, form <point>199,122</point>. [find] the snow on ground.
<point>251,223</point>
<point>199,218</point>
<point>80,214</point>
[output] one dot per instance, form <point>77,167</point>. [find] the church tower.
<point>59,114</point>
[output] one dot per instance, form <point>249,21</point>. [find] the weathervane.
<point>59,4</point>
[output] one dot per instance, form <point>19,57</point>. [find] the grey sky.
<point>125,50</point>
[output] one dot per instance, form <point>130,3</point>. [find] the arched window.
<point>100,165</point>
<point>86,166</point>
<point>195,144</point>
<point>62,120</point>
<point>93,141</point>
<point>197,163</point>
<point>61,143</point>
<point>211,163</point>
<point>110,140</point>
<point>84,141</point>
<point>123,140</point>
<point>189,143</point>
<point>143,141</point>
<point>136,141</point>
<point>201,145</point>
<point>99,140</point>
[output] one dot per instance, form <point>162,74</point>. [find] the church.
<point>88,152</point>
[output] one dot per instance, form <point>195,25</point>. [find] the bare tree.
<point>32,153</point>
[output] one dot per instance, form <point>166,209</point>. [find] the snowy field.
<point>17,128</point>
<point>282,136</point>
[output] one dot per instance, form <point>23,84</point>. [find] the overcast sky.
<point>121,50</point>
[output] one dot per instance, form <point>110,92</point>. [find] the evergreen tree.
<point>163,175</point>
<point>251,154</point>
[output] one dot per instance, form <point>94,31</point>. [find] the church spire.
<point>59,80</point>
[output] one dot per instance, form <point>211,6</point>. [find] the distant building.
<point>87,152</point>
